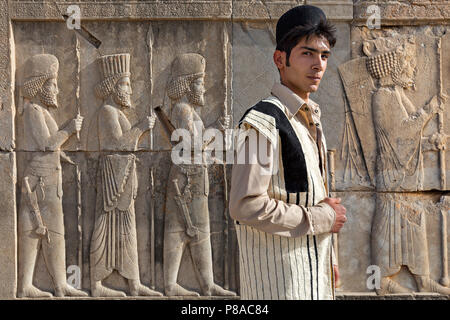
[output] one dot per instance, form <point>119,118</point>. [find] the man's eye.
<point>307,53</point>
<point>325,57</point>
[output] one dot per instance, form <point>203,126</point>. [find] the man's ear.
<point>279,58</point>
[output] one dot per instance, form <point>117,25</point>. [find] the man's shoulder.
<point>33,108</point>
<point>265,116</point>
<point>107,110</point>
<point>268,107</point>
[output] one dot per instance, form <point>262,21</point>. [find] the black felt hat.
<point>298,16</point>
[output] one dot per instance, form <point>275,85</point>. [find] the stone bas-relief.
<point>40,218</point>
<point>389,172</point>
<point>393,145</point>
<point>114,239</point>
<point>110,249</point>
<point>187,224</point>
<point>399,239</point>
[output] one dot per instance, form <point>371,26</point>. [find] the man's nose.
<point>318,64</point>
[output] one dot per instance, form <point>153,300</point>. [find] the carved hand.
<point>340,210</point>
<point>75,124</point>
<point>151,121</point>
<point>225,122</point>
<point>78,122</point>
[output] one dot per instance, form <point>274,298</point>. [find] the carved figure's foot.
<point>426,284</point>
<point>390,286</point>
<point>216,290</point>
<point>33,292</point>
<point>99,290</point>
<point>141,290</point>
<point>69,292</point>
<point>177,290</point>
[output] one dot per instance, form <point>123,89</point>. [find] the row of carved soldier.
<point>113,244</point>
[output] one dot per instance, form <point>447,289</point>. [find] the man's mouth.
<point>314,78</point>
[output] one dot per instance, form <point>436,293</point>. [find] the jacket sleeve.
<point>250,203</point>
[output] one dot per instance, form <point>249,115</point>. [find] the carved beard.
<point>401,78</point>
<point>48,98</point>
<point>196,98</point>
<point>404,81</point>
<point>122,98</point>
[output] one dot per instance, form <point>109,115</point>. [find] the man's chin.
<point>313,88</point>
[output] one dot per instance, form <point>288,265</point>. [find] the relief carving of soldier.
<point>114,239</point>
<point>399,235</point>
<point>41,217</point>
<point>186,223</point>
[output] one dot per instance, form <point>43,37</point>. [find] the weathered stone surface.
<point>123,10</point>
<point>7,53</point>
<point>175,10</point>
<point>253,69</point>
<point>8,226</point>
<point>354,240</point>
<point>403,12</point>
<point>356,252</point>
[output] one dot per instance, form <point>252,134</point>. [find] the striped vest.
<point>272,266</point>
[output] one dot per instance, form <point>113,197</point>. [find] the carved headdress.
<point>385,55</point>
<point>37,70</point>
<point>185,68</point>
<point>113,67</point>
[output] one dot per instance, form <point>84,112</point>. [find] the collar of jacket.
<point>292,101</point>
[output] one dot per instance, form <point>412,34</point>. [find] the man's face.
<point>122,92</point>
<point>307,64</point>
<point>49,92</point>
<point>196,94</point>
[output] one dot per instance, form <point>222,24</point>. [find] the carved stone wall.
<point>366,125</point>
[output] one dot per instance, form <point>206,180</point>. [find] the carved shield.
<point>359,86</point>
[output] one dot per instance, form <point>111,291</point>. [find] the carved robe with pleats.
<point>114,241</point>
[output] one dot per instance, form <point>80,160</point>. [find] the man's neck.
<point>303,95</point>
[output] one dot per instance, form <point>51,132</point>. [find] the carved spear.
<point>332,171</point>
<point>441,119</point>
<point>224,166</point>
<point>152,182</point>
<point>89,37</point>
<point>77,169</point>
<point>441,146</point>
<point>83,32</point>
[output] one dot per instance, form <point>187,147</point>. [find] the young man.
<point>284,219</point>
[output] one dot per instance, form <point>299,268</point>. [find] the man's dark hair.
<point>323,29</point>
